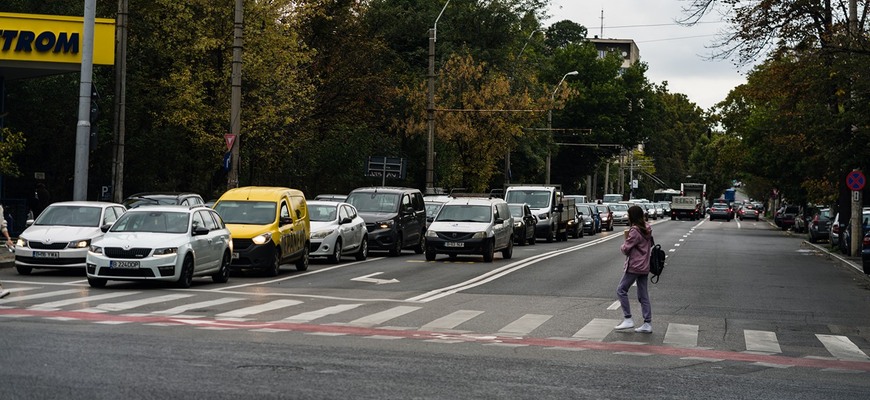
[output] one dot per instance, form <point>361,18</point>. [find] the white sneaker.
<point>4,293</point>
<point>645,328</point>
<point>626,324</point>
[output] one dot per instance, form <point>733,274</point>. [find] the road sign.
<point>230,138</point>
<point>228,160</point>
<point>855,180</point>
<point>386,167</point>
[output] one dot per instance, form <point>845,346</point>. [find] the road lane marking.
<point>127,305</point>
<point>842,348</point>
<point>524,325</point>
<point>15,299</point>
<point>615,305</point>
<point>259,308</point>
<point>681,335</point>
<point>313,315</point>
<point>761,341</point>
<point>383,316</point>
<point>295,276</point>
<point>597,329</point>
<point>54,305</point>
<point>193,306</point>
<point>451,320</point>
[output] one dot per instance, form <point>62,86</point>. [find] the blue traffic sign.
<point>855,180</point>
<point>227,161</point>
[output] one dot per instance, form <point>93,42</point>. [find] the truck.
<point>730,195</point>
<point>690,203</point>
<point>557,216</point>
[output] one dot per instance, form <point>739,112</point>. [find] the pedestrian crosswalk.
<point>241,307</point>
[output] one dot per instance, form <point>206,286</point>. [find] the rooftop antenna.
<point>602,24</point>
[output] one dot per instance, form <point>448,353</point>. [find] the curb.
<point>845,262</point>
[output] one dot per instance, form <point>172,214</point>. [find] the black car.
<point>818,227</point>
<point>395,217</point>
<point>524,223</point>
<point>162,198</point>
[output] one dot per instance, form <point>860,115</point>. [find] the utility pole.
<point>430,107</point>
<point>120,102</point>
<point>83,128</point>
<point>236,100</point>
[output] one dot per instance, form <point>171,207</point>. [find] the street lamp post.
<point>550,121</point>
<point>430,107</point>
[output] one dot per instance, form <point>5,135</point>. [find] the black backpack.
<point>656,261</point>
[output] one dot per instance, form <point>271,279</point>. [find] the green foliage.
<point>11,144</point>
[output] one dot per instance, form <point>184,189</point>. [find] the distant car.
<point>331,197</point>
<point>620,213</point>
<point>596,216</point>
<point>606,217</point>
<point>834,231</point>
<point>720,211</point>
<point>336,230</point>
<point>818,228</point>
<point>524,223</point>
<point>650,210</point>
<point>433,205</point>
<point>846,238</point>
<point>587,220</point>
<point>395,217</point>
<point>60,236</point>
<point>865,253</point>
<point>787,216</point>
<point>162,198</point>
<point>747,212</point>
<point>162,243</point>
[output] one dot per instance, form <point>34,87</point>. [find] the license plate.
<point>123,264</point>
<point>45,254</point>
<point>454,244</point>
<point>235,256</point>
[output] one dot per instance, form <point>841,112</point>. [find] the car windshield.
<point>152,221</point>
<point>516,209</point>
<point>465,213</point>
<point>534,198</point>
<point>583,209</point>
<point>322,213</point>
<point>603,209</point>
<point>70,216</point>
<point>246,212</point>
<point>374,202</point>
<point>134,202</point>
<point>432,209</point>
<point>618,207</point>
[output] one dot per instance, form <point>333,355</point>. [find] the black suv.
<point>162,198</point>
<point>395,217</point>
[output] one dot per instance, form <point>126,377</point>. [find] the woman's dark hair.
<point>636,218</point>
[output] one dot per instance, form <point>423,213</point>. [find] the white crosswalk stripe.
<point>43,295</point>
<point>317,314</point>
<point>54,305</point>
<point>597,329</point>
<point>841,347</point>
<point>260,308</point>
<point>383,316</point>
<point>681,335</point>
<point>451,320</point>
<point>195,306</point>
<point>524,325</point>
<point>128,305</point>
<point>761,341</point>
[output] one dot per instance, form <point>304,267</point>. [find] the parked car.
<point>270,226</point>
<point>865,253</point>
<point>846,238</point>
<point>834,231</point>
<point>747,212</point>
<point>162,198</point>
<point>61,234</point>
<point>331,197</point>
<point>620,213</point>
<point>471,225</point>
<point>720,211</point>
<point>336,230</point>
<point>819,226</point>
<point>606,217</point>
<point>587,219</point>
<point>524,223</point>
<point>163,243</point>
<point>395,217</point>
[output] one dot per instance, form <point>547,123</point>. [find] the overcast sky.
<point>673,53</point>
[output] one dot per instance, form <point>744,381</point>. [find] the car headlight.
<point>322,234</point>
<point>166,251</point>
<point>79,244</point>
<point>21,242</point>
<point>479,235</point>
<point>93,249</point>
<point>431,233</point>
<point>260,239</point>
<point>518,224</point>
<point>385,224</point>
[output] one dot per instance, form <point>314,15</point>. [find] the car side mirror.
<point>430,219</point>
<point>345,220</point>
<point>499,221</point>
<point>28,223</point>
<point>105,228</point>
<point>285,220</point>
<point>200,230</point>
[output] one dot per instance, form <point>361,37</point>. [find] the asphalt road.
<point>742,311</point>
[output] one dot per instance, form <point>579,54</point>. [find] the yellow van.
<point>269,226</point>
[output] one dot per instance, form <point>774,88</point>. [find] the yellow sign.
<point>53,38</point>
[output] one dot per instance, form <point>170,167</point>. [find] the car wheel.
<point>430,253</point>
<point>533,239</point>
<point>611,227</point>
<point>551,235</point>
<point>488,251</point>
<point>97,282</point>
<point>223,274</point>
<point>275,267</point>
<point>509,251</point>
<point>576,234</point>
<point>363,252</point>
<point>397,248</point>
<point>453,256</point>
<point>185,278</point>
<point>302,262</point>
<point>336,252</point>
<point>421,245</point>
<point>812,238</point>
<point>22,270</point>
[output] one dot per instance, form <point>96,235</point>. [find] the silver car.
<point>620,213</point>
<point>336,230</point>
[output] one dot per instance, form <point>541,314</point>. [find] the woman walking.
<point>638,241</point>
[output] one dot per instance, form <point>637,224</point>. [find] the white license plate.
<point>46,254</point>
<point>454,244</point>
<point>235,255</point>
<point>123,264</point>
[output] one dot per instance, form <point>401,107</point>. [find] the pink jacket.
<point>637,247</point>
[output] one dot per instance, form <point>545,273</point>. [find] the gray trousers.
<point>642,294</point>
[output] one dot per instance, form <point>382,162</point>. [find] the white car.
<point>60,236</point>
<point>336,230</point>
<point>164,243</point>
<point>470,225</point>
